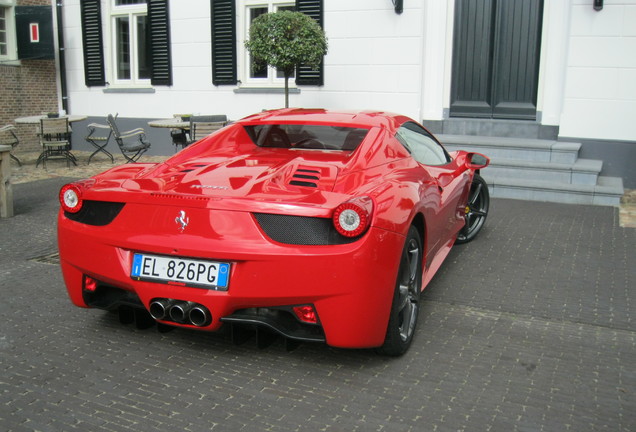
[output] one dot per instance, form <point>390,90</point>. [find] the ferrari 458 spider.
<point>315,225</point>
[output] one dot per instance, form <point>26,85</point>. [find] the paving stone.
<point>528,328</point>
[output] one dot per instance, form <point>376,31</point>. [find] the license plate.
<point>181,271</point>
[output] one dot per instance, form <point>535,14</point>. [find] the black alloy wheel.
<point>406,298</point>
<point>476,210</point>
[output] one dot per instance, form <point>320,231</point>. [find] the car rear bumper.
<point>350,285</point>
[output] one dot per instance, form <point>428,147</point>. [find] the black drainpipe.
<point>60,41</point>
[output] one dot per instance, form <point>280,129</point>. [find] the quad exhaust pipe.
<point>179,311</point>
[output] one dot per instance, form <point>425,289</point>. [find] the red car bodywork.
<point>224,184</point>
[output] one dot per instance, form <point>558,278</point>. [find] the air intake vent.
<point>305,177</point>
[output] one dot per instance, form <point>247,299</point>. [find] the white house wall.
<point>600,92</point>
<point>380,60</point>
<point>374,62</point>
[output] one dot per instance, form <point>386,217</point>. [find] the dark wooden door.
<point>496,58</point>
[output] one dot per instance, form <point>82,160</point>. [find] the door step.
<point>607,192</point>
<point>540,170</point>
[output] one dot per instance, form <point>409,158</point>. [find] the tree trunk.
<point>286,89</point>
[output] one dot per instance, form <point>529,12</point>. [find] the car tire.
<point>406,298</point>
<point>476,210</point>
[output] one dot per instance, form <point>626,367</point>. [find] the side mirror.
<point>475,161</point>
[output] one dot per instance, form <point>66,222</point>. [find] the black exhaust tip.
<point>159,308</point>
<point>180,310</point>
<point>200,316</point>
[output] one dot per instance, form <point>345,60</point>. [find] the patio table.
<point>36,118</point>
<point>179,129</point>
<point>172,123</point>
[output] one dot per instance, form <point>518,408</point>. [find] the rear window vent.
<point>305,177</point>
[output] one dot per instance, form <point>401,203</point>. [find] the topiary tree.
<point>285,40</point>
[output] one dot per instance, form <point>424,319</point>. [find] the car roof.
<point>361,119</point>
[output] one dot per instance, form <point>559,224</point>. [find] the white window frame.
<point>11,56</point>
<point>131,12</point>
<point>244,28</point>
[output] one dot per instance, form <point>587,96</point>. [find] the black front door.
<point>496,58</point>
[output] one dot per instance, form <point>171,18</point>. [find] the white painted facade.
<point>379,60</point>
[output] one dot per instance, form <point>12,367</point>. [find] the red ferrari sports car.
<point>311,224</point>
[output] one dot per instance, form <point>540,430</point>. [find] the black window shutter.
<point>305,75</point>
<point>223,42</point>
<point>159,23</point>
<point>92,41</point>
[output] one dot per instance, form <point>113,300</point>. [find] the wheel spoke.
<point>475,211</point>
<point>479,213</point>
<point>404,297</point>
<point>413,257</point>
<point>475,195</point>
<point>408,290</point>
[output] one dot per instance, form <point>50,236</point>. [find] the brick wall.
<point>28,88</point>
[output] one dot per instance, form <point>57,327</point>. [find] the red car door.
<point>444,183</point>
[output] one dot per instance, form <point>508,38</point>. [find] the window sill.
<point>129,90</point>
<point>6,62</point>
<point>266,90</point>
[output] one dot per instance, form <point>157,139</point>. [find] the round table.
<point>173,123</point>
<point>36,119</point>
<point>180,130</point>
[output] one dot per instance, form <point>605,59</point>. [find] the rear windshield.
<point>301,136</point>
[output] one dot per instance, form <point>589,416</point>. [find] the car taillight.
<point>71,198</point>
<point>352,218</point>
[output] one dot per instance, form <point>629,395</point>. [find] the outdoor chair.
<point>55,138</point>
<point>180,136</point>
<point>8,137</point>
<point>202,126</point>
<point>132,143</point>
<point>99,136</point>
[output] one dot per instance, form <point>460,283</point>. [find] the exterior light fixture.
<point>399,5</point>
<point>598,5</point>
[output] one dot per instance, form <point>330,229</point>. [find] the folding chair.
<point>202,126</point>
<point>99,139</point>
<point>132,143</point>
<point>55,139</point>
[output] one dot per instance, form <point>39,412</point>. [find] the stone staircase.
<point>534,169</point>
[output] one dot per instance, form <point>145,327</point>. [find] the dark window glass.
<point>123,47</point>
<point>129,2</point>
<point>421,145</point>
<point>145,68</point>
<point>306,137</point>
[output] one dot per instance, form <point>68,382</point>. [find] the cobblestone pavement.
<point>528,328</point>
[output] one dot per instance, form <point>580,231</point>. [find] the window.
<point>139,31</point>
<point>7,34</point>
<point>230,27</point>
<point>130,42</point>
<point>421,145</point>
<point>257,72</point>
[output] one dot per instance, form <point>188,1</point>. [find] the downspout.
<point>61,56</point>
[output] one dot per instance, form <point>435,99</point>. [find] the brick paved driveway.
<point>529,328</point>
